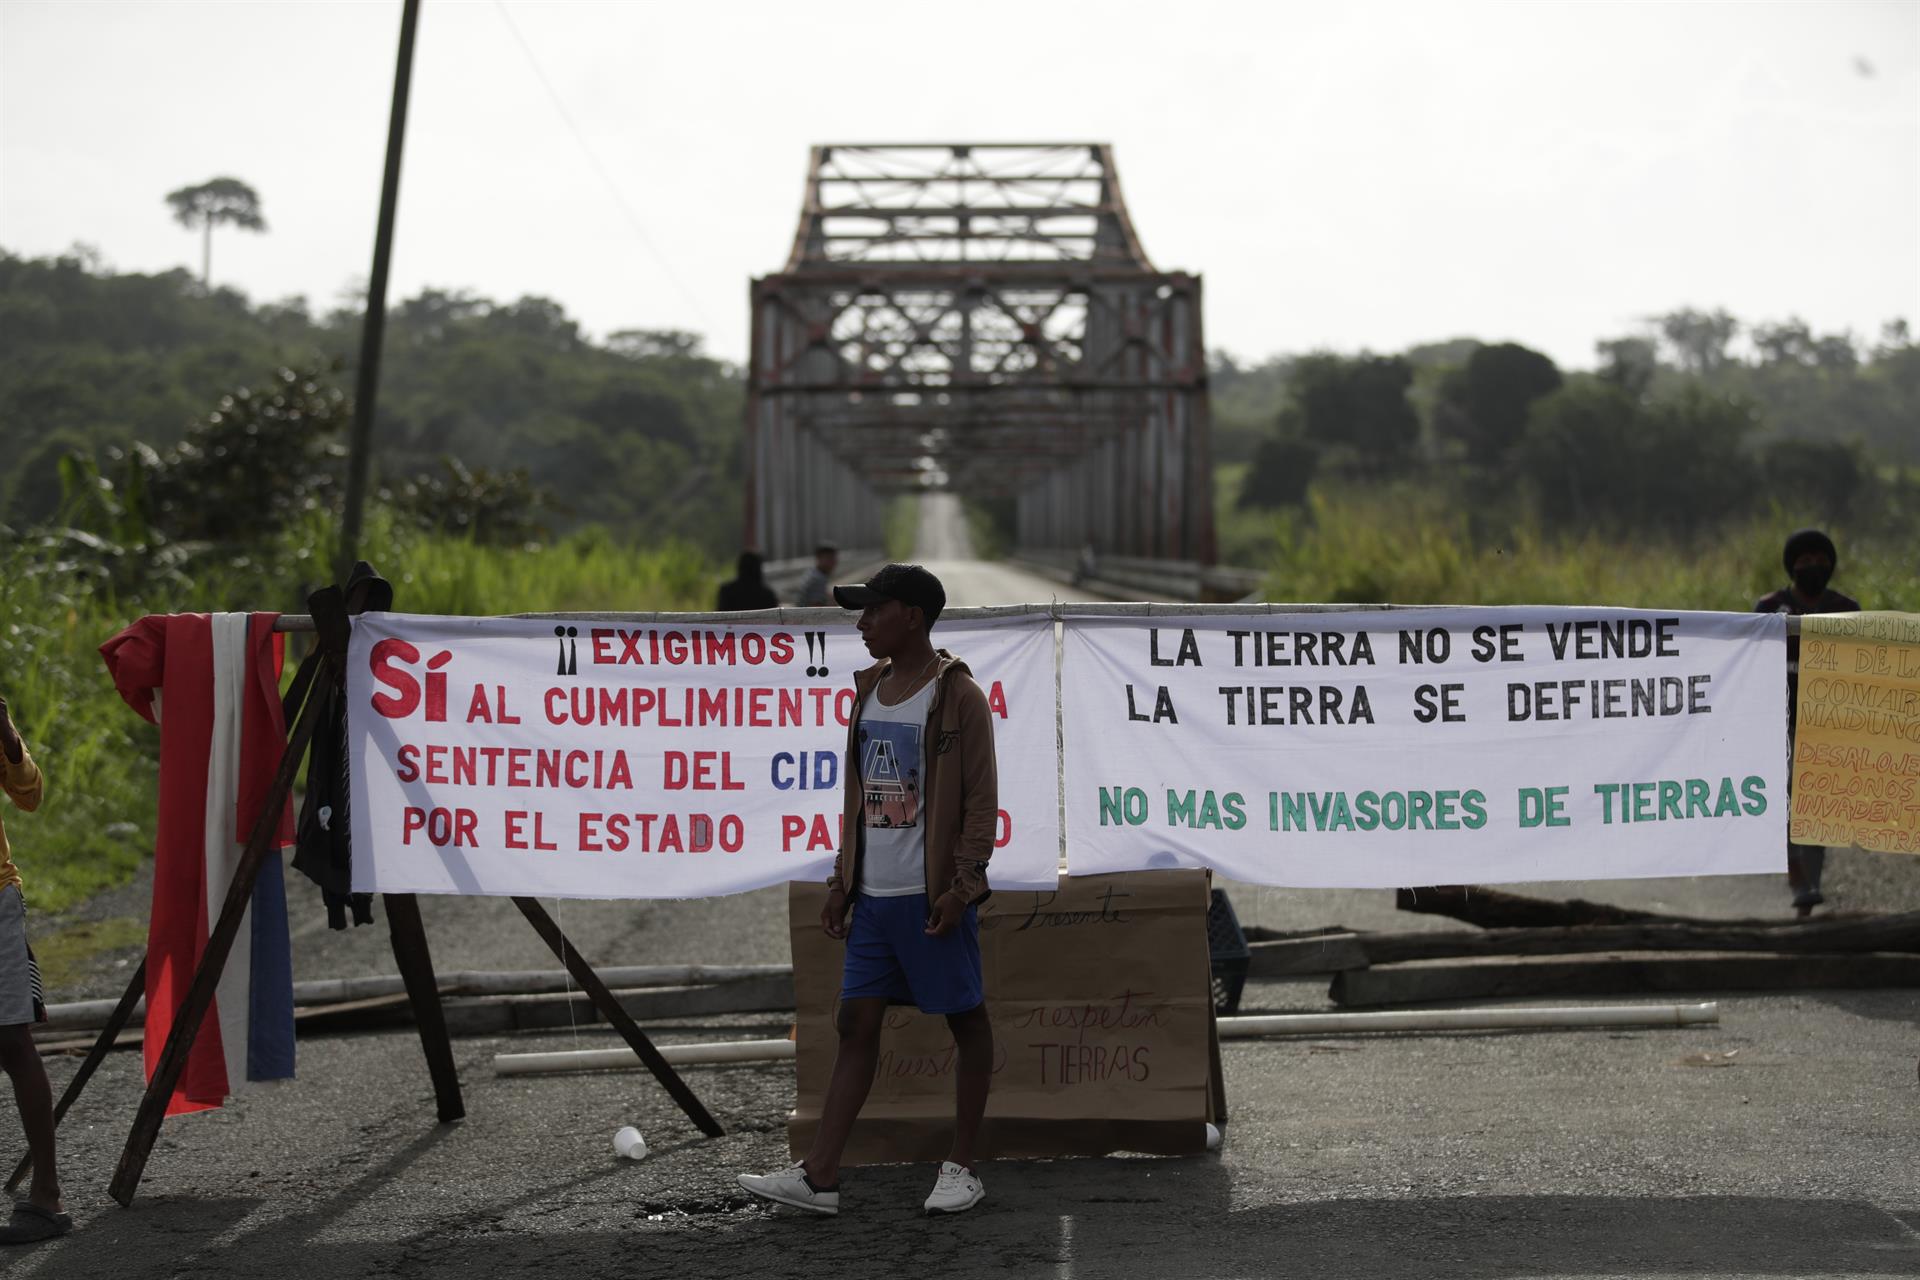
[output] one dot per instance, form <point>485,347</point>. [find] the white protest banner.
<point>648,759</point>
<point>1431,746</point>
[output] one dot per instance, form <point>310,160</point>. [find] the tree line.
<point>153,411</point>
<point>153,408</point>
<point>1675,430</point>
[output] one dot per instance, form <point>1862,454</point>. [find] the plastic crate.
<point>1227,954</point>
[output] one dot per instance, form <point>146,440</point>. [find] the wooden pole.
<point>186,1023</point>
<point>613,1012</point>
<point>423,992</point>
<point>136,987</point>
<point>373,327</point>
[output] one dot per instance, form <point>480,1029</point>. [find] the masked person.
<point>918,821</point>
<point>41,1215</point>
<point>1809,557</point>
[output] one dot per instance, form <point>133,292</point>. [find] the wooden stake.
<point>416,969</point>
<point>611,1010</point>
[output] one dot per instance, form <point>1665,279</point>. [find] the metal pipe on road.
<point>1596,1015</point>
<point>1297,1024</point>
<point>623,1059</point>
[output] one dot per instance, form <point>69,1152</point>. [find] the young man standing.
<point>1809,557</point>
<point>918,823</point>
<point>42,1215</point>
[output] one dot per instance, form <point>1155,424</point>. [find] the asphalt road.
<point>1779,1143</point>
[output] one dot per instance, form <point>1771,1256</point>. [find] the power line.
<point>613,189</point>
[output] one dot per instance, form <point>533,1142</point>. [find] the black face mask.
<point>1811,579</point>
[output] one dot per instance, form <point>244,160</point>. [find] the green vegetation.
<point>1406,544</point>
<point>101,759</point>
<point>640,433</point>
<point>96,822</point>
<point>1469,473</point>
<point>63,953</point>
<point>990,524</point>
<point>585,571</point>
<point>900,526</point>
<point>181,449</point>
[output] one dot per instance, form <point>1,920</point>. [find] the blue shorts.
<point>890,957</point>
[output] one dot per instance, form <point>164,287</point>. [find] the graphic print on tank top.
<point>890,772</point>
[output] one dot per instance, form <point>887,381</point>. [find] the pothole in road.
<point>694,1207</point>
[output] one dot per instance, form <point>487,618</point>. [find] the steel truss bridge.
<point>981,318</point>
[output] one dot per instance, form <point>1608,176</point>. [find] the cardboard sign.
<point>1856,751</point>
<point>1102,1025</point>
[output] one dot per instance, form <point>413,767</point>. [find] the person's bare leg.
<point>34,1096</point>
<point>859,1023</point>
<point>972,1078</point>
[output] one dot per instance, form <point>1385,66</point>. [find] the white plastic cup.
<point>629,1145</point>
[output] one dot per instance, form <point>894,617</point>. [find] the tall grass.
<point>1403,545</point>
<point>101,759</point>
<point>588,571</point>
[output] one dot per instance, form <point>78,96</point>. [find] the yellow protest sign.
<point>1856,753</point>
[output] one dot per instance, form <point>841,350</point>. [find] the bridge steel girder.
<point>980,318</point>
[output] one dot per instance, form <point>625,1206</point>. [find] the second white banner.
<point>1444,746</point>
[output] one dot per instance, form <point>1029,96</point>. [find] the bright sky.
<point>1344,175</point>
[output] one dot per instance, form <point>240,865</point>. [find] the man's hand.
<point>833,916</point>
<point>9,736</point>
<point>947,913</point>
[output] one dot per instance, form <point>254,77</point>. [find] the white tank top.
<point>892,766</point>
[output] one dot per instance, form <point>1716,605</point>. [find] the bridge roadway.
<point>1581,1153</point>
<point>944,544</point>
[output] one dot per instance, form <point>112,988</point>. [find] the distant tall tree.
<point>1484,403</point>
<point>218,200</point>
<point>1699,338</point>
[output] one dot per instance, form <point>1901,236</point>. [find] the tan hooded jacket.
<point>961,801</point>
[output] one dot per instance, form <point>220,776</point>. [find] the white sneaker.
<point>791,1187</point>
<point>957,1191</point>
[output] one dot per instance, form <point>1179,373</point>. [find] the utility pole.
<point>373,328</point>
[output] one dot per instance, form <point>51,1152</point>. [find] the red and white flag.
<point>211,682</point>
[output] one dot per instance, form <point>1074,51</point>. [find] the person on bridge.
<point>747,589</point>
<point>1809,557</point>
<point>42,1215</point>
<point>918,822</point>
<point>814,587</point>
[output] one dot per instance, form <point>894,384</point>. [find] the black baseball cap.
<point>908,583</point>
